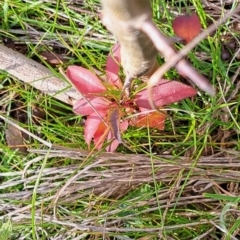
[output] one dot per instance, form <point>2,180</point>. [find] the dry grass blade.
<point>113,176</point>
<point>25,131</point>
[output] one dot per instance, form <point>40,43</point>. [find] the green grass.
<point>185,186</point>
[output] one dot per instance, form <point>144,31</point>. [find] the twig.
<point>176,59</point>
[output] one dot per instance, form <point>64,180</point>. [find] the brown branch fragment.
<point>35,74</point>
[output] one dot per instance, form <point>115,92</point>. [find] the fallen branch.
<point>38,76</point>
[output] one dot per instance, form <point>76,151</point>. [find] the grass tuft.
<point>165,186</point>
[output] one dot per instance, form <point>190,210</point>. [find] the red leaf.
<point>95,129</point>
<point>187,27</point>
<point>94,126</point>
<point>124,126</point>
<point>84,80</point>
<point>99,137</point>
<point>166,92</point>
<point>113,66</point>
<point>152,120</point>
<point>114,144</point>
<point>82,107</point>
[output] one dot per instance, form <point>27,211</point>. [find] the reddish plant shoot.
<point>187,26</point>
<point>106,115</point>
